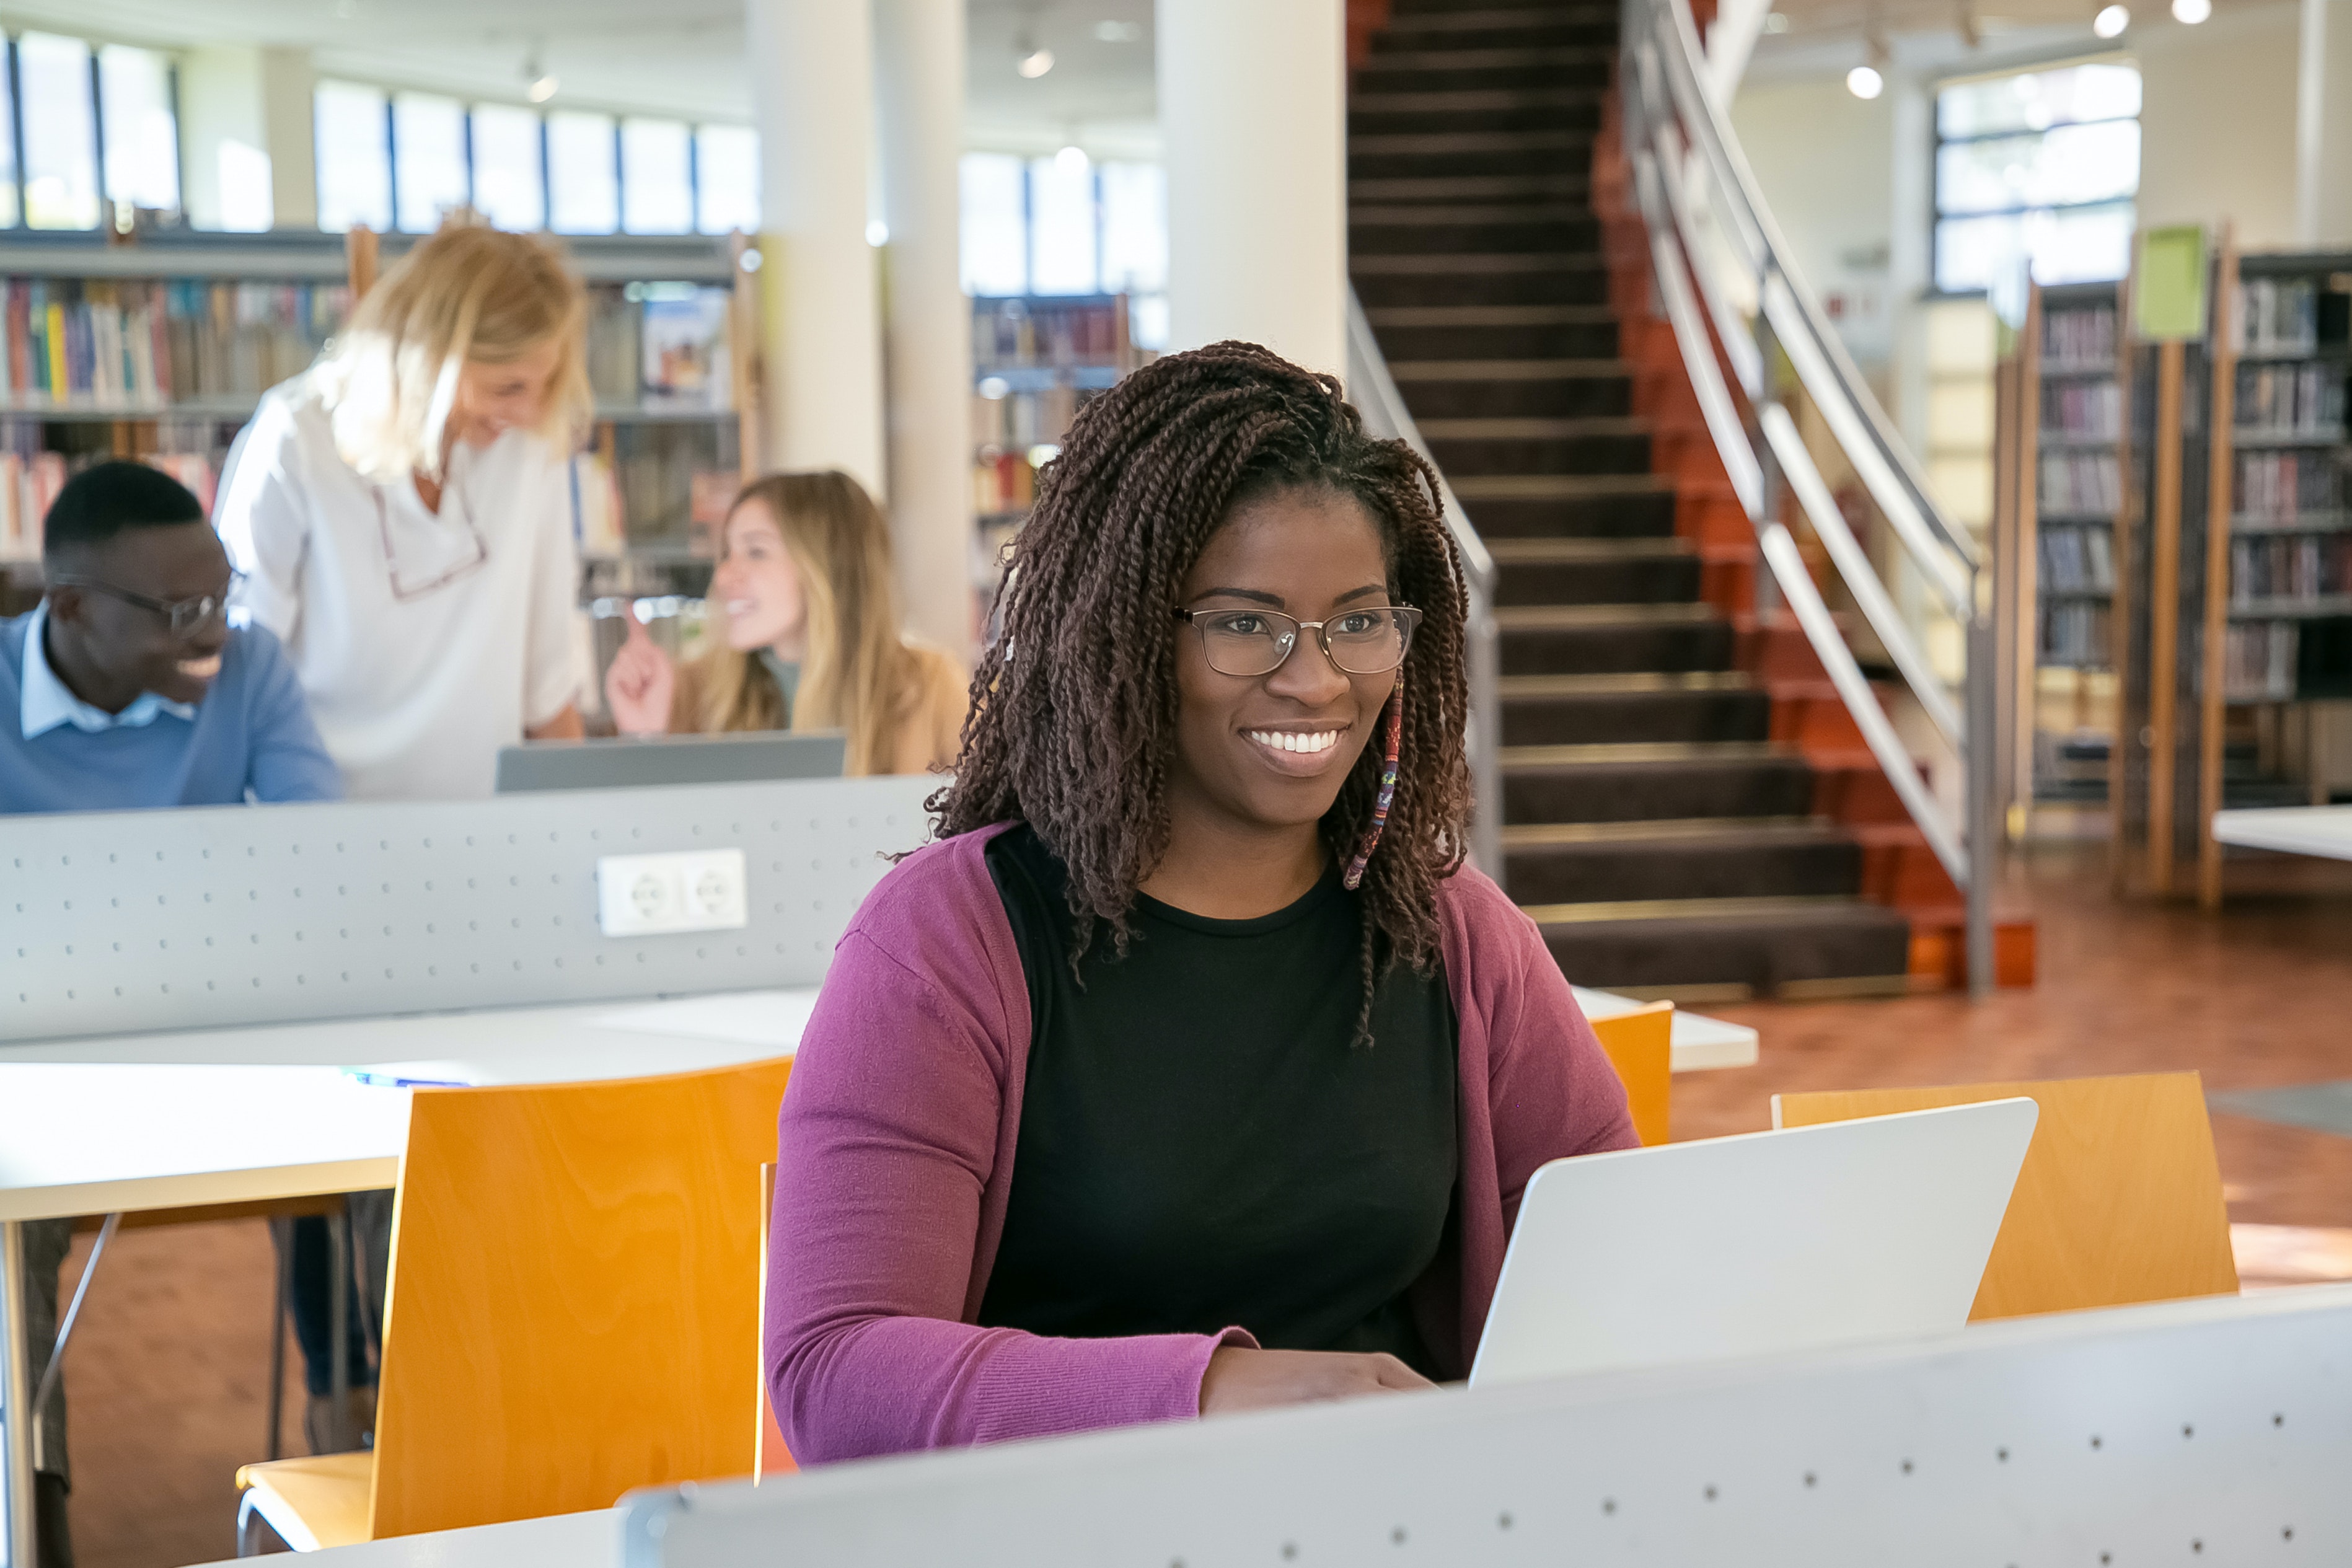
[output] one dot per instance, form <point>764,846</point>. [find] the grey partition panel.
<point>130,922</point>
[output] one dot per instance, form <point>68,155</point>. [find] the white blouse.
<point>424,641</point>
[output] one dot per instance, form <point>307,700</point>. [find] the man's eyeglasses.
<point>186,617</point>
<point>1369,641</point>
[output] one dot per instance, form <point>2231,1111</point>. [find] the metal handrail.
<point>1684,155</point>
<point>1376,397</point>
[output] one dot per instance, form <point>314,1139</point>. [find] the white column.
<point>2324,124</point>
<point>1252,114</point>
<point>919,86</point>
<point>810,64</point>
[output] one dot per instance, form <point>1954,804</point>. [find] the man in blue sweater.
<point>128,687</point>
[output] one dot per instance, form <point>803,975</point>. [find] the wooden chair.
<point>1641,1047</point>
<point>769,1455</point>
<point>571,1293</point>
<point>2119,1199</point>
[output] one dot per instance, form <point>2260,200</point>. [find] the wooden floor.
<point>169,1372</point>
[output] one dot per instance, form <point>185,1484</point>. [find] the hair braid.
<point>1073,720</point>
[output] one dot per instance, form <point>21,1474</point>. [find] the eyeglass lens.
<point>191,616</point>
<point>1254,642</point>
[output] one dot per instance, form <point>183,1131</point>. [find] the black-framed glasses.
<point>1369,641</point>
<point>186,617</point>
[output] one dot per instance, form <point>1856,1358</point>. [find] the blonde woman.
<point>402,515</point>
<point>808,637</point>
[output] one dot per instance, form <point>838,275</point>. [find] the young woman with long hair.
<point>808,639</point>
<point>1191,1070</point>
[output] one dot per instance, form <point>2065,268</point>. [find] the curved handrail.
<point>1375,394</point>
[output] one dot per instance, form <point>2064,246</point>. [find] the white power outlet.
<point>651,895</point>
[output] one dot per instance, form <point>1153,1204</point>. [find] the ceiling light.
<point>1036,63</point>
<point>2111,21</point>
<point>1117,32</point>
<point>1863,81</point>
<point>1071,160</point>
<point>543,87</point>
<point>2191,11</point>
<point>1774,22</point>
<point>878,233</point>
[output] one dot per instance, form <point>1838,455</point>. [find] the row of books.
<point>2086,409</point>
<point>1009,334</point>
<point>664,346</point>
<point>656,484</point>
<point>2307,399</point>
<point>2280,486</point>
<point>103,345</point>
<point>2079,336</point>
<point>2288,316</point>
<point>2258,662</point>
<point>2077,483</point>
<point>2074,632</point>
<point>1003,481</point>
<point>2301,566</point>
<point>2077,560</point>
<point>1024,419</point>
<point>29,483</point>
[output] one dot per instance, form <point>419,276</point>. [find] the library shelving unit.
<point>1036,359</point>
<point>2072,440</point>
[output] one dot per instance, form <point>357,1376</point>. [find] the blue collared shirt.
<point>47,702</point>
<point>251,738</point>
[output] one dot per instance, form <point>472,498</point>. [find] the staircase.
<point>1665,821</point>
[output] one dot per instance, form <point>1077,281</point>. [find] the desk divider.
<point>217,916</point>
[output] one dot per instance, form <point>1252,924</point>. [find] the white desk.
<point>1698,1044</point>
<point>2322,830</point>
<point>565,1541</point>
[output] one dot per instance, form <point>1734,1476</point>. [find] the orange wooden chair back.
<point>572,1290</point>
<point>2119,1199</point>
<point>1641,1047</point>
<point>769,1456</point>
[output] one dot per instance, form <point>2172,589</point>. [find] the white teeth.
<point>202,667</point>
<point>1292,740</point>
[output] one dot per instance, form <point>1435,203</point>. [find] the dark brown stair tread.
<point>1472,98</point>
<point>1558,486</point>
<point>1423,143</point>
<point>1521,429</point>
<point>1620,683</point>
<point>1797,906</point>
<point>1518,550</point>
<point>1370,214</point>
<point>1405,188</point>
<point>1402,370</point>
<point>1402,60</point>
<point>1579,617</point>
<point>1763,944</point>
<point>1478,263</point>
<point>1685,754</point>
<point>1494,19</point>
<point>1533,835</point>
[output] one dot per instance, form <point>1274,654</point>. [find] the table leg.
<point>16,1399</point>
<point>339,1327</point>
<point>281,1237</point>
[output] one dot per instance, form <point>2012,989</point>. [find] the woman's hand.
<point>640,683</point>
<point>1240,1378</point>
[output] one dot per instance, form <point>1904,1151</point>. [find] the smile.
<point>1306,742</point>
<point>201,668</point>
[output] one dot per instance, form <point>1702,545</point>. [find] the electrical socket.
<point>654,895</point>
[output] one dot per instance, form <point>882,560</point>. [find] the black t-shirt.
<point>1202,1142</point>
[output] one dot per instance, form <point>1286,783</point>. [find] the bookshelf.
<point>1036,360</point>
<point>2071,438</point>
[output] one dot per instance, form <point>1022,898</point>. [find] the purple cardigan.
<point>895,1160</point>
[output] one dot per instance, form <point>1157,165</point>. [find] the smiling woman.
<point>1192,1072</point>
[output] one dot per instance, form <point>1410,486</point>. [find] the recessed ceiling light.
<point>1036,63</point>
<point>2191,11</point>
<point>1863,81</point>
<point>1774,22</point>
<point>1117,32</point>
<point>2111,21</point>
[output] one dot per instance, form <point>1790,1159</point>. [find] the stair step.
<point>1515,389</point>
<point>1468,152</point>
<point>1504,506</point>
<point>1789,946</point>
<point>1591,446</point>
<point>1625,782</point>
<point>1619,683</point>
<point>1410,230</point>
<point>1651,575</point>
<point>1732,857</point>
<point>1616,645</point>
<point>1408,332</point>
<point>1446,69</point>
<point>1552,552</point>
<point>1563,279</point>
<point>1605,717</point>
<point>1604,618</point>
<point>1563,184</point>
<point>1532,835</point>
<point>1586,28</point>
<point>1475,108</point>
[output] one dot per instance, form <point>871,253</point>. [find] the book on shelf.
<point>2075,483</point>
<point>1013,333</point>
<point>38,458</point>
<point>2296,566</point>
<point>103,345</point>
<point>2282,316</point>
<point>660,345</point>
<point>2283,486</point>
<point>655,484</point>
<point>2073,632</point>
<point>2074,335</point>
<point>2077,560</point>
<point>2258,662</point>
<point>2083,410</point>
<point>2298,399</point>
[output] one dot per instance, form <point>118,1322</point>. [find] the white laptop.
<point>1848,1231</point>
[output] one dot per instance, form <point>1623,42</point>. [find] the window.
<point>727,179</point>
<point>9,216</point>
<point>994,192</point>
<point>142,141</point>
<point>510,174</point>
<point>1065,224</point>
<point>353,148</point>
<point>429,142</point>
<point>2036,171</point>
<point>1135,228</point>
<point>1064,227</point>
<point>60,128</point>
<point>583,185</point>
<point>656,177</point>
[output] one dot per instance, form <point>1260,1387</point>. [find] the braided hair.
<point>1073,724</point>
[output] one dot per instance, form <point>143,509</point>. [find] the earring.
<point>1393,721</point>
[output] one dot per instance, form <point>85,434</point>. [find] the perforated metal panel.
<point>127,921</point>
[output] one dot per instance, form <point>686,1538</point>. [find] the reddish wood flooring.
<point>169,1371</point>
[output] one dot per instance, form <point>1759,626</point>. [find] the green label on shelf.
<point>2168,296</point>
